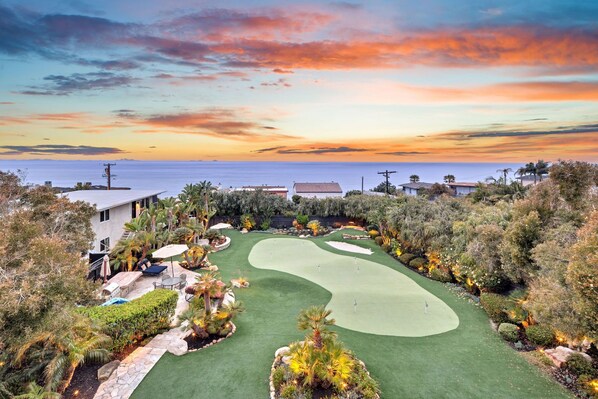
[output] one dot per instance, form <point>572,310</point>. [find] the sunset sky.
<point>364,81</point>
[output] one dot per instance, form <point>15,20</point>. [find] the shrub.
<point>379,240</point>
<point>509,332</point>
<point>302,219</point>
<point>406,258</point>
<point>373,233</point>
<point>495,306</point>
<point>440,275</point>
<point>385,247</point>
<point>130,322</point>
<point>417,263</point>
<point>288,391</point>
<point>579,365</point>
<point>540,335</point>
<point>315,227</point>
<point>278,377</point>
<point>265,225</point>
<point>247,221</point>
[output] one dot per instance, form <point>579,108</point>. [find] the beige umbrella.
<point>169,251</point>
<point>105,270</point>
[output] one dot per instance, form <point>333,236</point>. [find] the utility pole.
<point>387,174</point>
<point>361,184</point>
<point>108,175</point>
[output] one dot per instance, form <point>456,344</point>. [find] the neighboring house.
<point>281,191</point>
<point>463,189</point>
<point>318,190</point>
<point>414,188</point>
<point>529,180</point>
<point>114,209</point>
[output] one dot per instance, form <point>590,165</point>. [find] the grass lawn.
<point>470,361</point>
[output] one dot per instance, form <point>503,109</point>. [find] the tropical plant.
<point>124,253</point>
<point>68,348</point>
<point>34,391</point>
<point>449,178</point>
<point>314,226</point>
<point>315,319</point>
<point>414,178</point>
<point>196,255</point>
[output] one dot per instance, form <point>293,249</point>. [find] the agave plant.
<point>68,349</point>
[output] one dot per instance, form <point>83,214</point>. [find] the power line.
<point>108,174</point>
<point>387,174</point>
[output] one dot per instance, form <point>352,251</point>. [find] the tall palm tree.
<point>145,240</point>
<point>69,348</point>
<point>531,170</point>
<point>505,172</point>
<point>414,178</point>
<point>541,168</point>
<point>207,285</point>
<point>449,178</point>
<point>315,318</point>
<point>521,172</point>
<point>124,253</point>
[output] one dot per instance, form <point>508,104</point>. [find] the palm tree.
<point>69,348</point>
<point>34,391</point>
<point>541,168</point>
<point>530,169</point>
<point>414,178</point>
<point>505,173</point>
<point>521,172</point>
<point>208,285</point>
<point>315,318</point>
<point>145,240</point>
<point>449,179</point>
<point>124,253</point>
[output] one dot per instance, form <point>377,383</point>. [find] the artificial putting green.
<point>471,361</point>
<point>366,296</point>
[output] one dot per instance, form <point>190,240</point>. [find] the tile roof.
<point>330,187</point>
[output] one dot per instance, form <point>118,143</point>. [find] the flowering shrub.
<point>373,233</point>
<point>314,226</point>
<point>247,221</point>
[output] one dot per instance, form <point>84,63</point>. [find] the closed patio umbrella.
<point>170,251</point>
<point>105,270</point>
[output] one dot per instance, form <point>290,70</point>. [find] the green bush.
<point>265,225</point>
<point>278,377</point>
<point>495,305</point>
<point>440,275</point>
<point>406,258</point>
<point>509,332</point>
<point>379,240</point>
<point>579,365</point>
<point>540,335</point>
<point>417,263</point>
<point>302,219</point>
<point>385,247</point>
<point>130,322</point>
<point>288,390</point>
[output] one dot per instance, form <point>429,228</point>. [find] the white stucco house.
<point>318,190</point>
<point>114,209</point>
<point>462,189</point>
<point>414,188</point>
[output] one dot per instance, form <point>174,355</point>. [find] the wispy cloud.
<point>60,85</point>
<point>58,149</point>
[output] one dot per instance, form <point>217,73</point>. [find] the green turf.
<point>366,296</point>
<point>468,362</point>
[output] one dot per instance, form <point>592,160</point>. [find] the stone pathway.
<point>135,367</point>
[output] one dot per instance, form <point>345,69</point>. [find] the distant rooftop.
<point>462,184</point>
<point>106,199</point>
<point>264,187</point>
<point>330,187</point>
<point>416,186</point>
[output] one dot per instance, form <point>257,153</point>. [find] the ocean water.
<point>172,176</point>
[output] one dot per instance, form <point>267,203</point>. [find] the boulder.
<point>560,354</point>
<point>244,231</point>
<point>178,347</point>
<point>106,370</point>
<point>282,351</point>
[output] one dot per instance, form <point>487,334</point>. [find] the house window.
<point>105,244</point>
<point>105,215</point>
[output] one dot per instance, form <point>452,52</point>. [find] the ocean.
<point>172,176</point>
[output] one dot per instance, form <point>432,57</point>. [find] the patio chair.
<point>183,282</point>
<point>157,285</point>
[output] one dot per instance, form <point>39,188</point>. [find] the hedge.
<point>495,305</point>
<point>130,322</point>
<point>540,335</point>
<point>509,332</point>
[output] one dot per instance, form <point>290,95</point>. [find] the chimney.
<point>48,183</point>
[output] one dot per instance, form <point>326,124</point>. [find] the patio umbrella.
<point>169,251</point>
<point>105,270</point>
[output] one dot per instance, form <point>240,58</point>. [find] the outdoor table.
<point>170,282</point>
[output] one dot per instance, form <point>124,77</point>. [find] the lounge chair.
<point>150,270</point>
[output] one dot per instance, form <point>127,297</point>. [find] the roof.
<point>416,186</point>
<point>462,184</point>
<point>106,199</point>
<point>330,187</point>
<point>264,188</point>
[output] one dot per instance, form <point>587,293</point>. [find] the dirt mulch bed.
<point>85,382</point>
<point>195,343</point>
